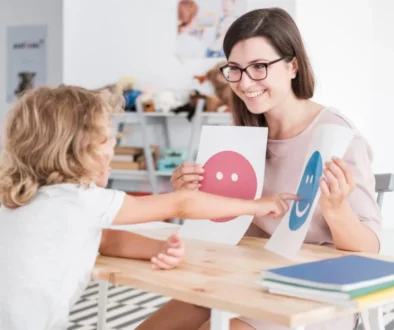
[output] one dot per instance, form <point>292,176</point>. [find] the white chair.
<point>373,319</point>
<point>384,183</point>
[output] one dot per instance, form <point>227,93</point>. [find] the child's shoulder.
<point>96,202</point>
<point>87,194</point>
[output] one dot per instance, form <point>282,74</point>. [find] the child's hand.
<point>274,206</point>
<point>171,253</point>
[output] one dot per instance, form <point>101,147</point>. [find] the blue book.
<point>345,273</point>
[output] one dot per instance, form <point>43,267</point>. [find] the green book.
<point>350,294</point>
<point>319,294</point>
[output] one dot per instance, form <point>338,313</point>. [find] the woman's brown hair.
<point>52,136</point>
<point>279,28</point>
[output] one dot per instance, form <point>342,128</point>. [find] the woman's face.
<point>264,95</point>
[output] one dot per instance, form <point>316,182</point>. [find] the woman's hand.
<point>187,176</point>
<point>336,184</point>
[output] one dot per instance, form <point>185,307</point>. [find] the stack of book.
<point>351,280</point>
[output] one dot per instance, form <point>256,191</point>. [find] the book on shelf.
<point>350,280</point>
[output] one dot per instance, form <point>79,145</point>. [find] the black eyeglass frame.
<point>246,68</point>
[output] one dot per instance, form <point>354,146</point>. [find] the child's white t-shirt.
<point>47,251</point>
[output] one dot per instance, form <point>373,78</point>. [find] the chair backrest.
<point>383,183</point>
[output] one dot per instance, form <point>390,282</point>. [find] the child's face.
<point>106,153</point>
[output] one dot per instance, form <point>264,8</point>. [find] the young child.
<point>55,164</point>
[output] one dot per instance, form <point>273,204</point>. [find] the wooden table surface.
<point>224,277</point>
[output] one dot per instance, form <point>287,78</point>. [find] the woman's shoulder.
<point>332,115</point>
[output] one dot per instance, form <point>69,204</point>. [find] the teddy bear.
<point>26,81</point>
<point>190,106</point>
<point>221,99</point>
<point>122,94</point>
<point>167,100</point>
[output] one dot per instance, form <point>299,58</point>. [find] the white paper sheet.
<point>234,163</point>
<point>327,141</point>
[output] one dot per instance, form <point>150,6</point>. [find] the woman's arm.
<point>348,203</point>
<point>348,232</point>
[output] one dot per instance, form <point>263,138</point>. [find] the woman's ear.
<point>293,68</point>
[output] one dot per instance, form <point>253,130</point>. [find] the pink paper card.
<point>234,163</point>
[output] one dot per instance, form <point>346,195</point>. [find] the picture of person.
<point>202,24</point>
<point>227,18</point>
<point>189,36</point>
<point>187,14</point>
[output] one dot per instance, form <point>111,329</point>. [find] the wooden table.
<point>222,278</point>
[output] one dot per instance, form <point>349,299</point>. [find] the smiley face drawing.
<point>307,191</point>
<point>229,174</point>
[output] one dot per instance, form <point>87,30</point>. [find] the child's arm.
<point>193,204</point>
<point>123,244</point>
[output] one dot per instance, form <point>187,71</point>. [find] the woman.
<point>272,84</point>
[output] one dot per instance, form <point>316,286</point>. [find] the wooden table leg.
<point>220,320</point>
<point>102,305</point>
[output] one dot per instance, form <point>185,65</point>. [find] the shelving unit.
<point>144,119</point>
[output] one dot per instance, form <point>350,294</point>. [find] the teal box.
<point>169,164</point>
<point>175,153</point>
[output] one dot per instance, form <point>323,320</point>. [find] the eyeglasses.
<point>255,71</point>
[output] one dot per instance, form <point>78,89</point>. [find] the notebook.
<point>323,293</point>
<point>370,300</point>
<point>345,273</point>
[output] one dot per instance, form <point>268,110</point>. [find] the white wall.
<point>335,38</point>
<point>136,38</point>
<point>350,44</point>
<point>124,38</point>
<point>133,38</point>
<point>381,114</point>
<point>29,12</point>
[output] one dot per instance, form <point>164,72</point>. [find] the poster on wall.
<point>202,25</point>
<point>26,59</point>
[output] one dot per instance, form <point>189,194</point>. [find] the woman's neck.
<point>290,118</point>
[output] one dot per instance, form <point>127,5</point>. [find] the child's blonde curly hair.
<point>52,135</point>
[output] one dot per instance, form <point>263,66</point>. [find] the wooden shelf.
<point>128,117</point>
<point>135,174</point>
<point>146,119</point>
